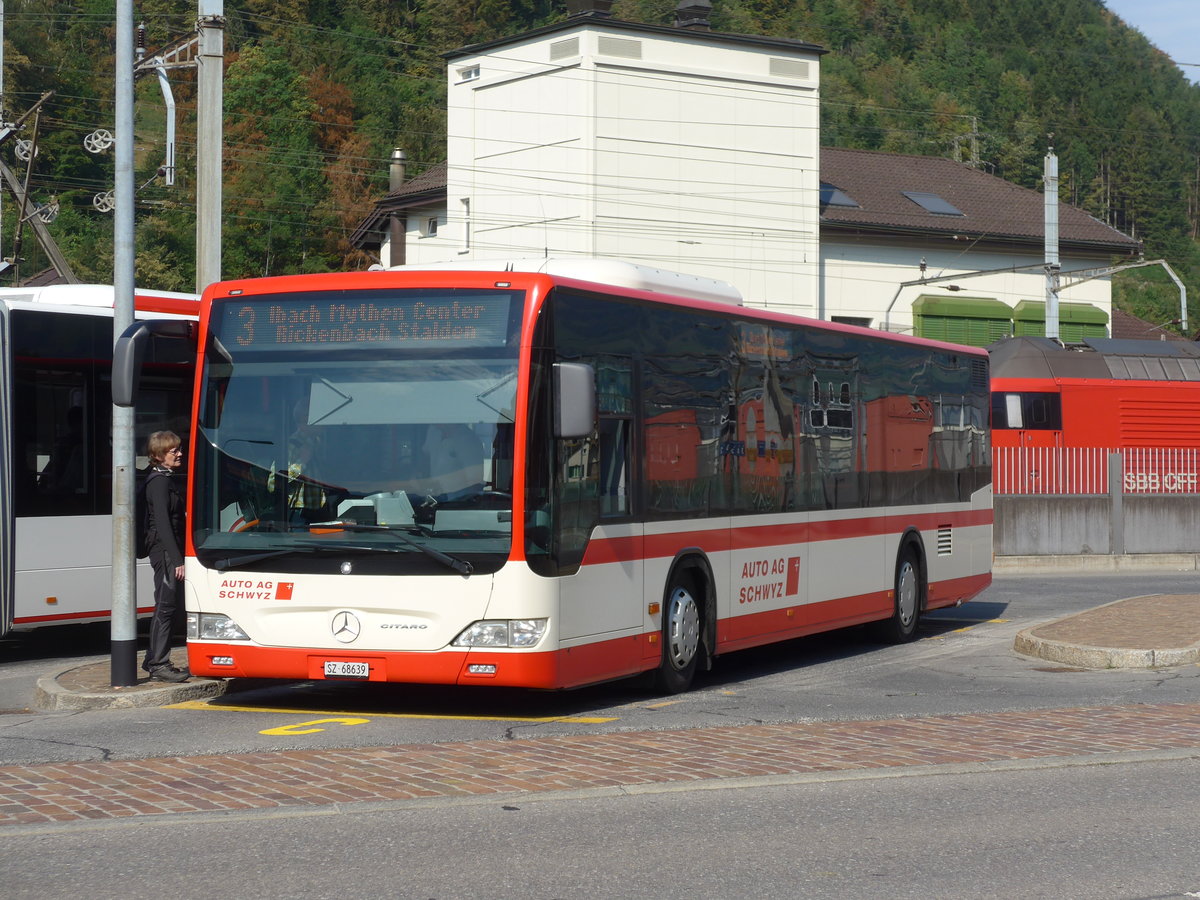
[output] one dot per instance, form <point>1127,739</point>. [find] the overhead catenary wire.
<point>315,160</point>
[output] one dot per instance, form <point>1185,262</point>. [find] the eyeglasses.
<point>178,450</point>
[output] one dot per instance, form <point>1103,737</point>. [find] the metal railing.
<point>1085,470</point>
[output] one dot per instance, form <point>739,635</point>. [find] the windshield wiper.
<point>461,566</point>
<point>233,562</point>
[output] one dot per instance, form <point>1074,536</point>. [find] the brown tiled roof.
<point>425,188</point>
<point>43,278</point>
<point>992,208</point>
<point>1132,328</point>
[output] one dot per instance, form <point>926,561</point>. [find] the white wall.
<point>679,152</point>
<point>861,278</point>
<point>675,151</point>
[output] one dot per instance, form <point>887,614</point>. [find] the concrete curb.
<point>1135,562</point>
<point>50,695</point>
<point>1087,657</point>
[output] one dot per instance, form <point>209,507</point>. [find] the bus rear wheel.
<point>908,598</point>
<point>681,637</point>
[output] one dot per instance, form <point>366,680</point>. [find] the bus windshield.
<point>376,425</point>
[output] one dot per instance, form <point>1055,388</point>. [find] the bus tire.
<point>907,599</point>
<point>681,636</point>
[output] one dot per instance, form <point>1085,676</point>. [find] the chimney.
<point>693,14</point>
<point>599,9</point>
<point>396,169</point>
<point>397,223</point>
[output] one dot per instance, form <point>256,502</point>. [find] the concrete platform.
<point>1141,632</point>
<point>89,687</point>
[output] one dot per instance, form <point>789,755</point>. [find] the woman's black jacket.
<point>165,510</point>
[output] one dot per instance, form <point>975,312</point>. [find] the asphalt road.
<point>1064,832</point>
<point>963,663</point>
<point>1054,824</point>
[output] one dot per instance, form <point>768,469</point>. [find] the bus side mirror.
<point>574,400</point>
<point>130,351</point>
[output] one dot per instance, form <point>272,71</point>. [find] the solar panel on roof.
<point>834,196</point>
<point>933,203</point>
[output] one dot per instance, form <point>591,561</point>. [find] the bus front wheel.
<point>907,599</point>
<point>681,637</point>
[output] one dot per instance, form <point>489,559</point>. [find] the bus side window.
<point>614,467</point>
<point>560,488</point>
<point>57,414</point>
<point>614,396</point>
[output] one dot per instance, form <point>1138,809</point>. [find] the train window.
<point>1035,411</point>
<point>1042,411</point>
<point>1012,411</point>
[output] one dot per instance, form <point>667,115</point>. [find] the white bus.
<point>533,479</point>
<point>55,445</point>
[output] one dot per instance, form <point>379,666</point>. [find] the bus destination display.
<point>411,319</point>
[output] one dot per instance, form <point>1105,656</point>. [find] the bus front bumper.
<point>509,669</point>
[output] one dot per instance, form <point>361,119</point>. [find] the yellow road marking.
<point>574,720</point>
<point>299,727</point>
<point>970,623</point>
<point>661,705</point>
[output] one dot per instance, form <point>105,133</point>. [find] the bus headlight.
<point>502,633</point>
<point>213,627</point>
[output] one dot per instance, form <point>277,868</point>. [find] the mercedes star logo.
<point>346,627</point>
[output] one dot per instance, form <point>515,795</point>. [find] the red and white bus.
<point>56,345</point>
<point>541,480</point>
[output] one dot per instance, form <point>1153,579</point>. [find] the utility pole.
<point>23,201</point>
<point>1050,177</point>
<point>210,63</point>
<point>7,129</point>
<point>123,668</point>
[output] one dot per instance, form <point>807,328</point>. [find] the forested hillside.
<point>318,92</point>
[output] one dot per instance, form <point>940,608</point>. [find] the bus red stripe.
<point>748,537</point>
<point>65,617</point>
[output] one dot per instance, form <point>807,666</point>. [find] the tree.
<point>274,179</point>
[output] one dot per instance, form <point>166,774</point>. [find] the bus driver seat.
<point>455,460</point>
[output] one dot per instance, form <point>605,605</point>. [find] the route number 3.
<point>247,315</point>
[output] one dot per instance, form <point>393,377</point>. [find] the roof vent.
<point>611,46</point>
<point>564,49</point>
<point>693,14</point>
<point>597,8</point>
<point>789,68</point>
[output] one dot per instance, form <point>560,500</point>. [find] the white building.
<point>686,149</point>
<point>884,216</point>
<point>670,147</point>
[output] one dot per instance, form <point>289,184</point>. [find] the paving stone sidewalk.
<point>310,779</point>
<point>1138,632</point>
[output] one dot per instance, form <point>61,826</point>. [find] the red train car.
<point>1058,411</point>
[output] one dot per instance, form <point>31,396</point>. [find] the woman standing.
<point>164,537</point>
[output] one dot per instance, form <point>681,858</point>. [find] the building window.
<point>431,227</point>
<point>470,73</point>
